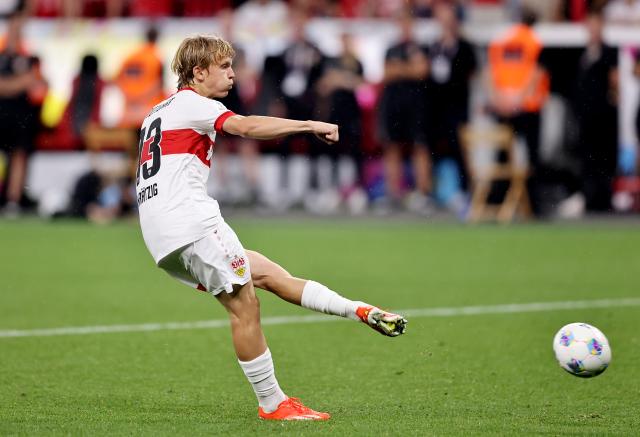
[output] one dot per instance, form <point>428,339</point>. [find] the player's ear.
<point>198,73</point>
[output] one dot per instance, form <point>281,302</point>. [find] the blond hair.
<point>199,51</point>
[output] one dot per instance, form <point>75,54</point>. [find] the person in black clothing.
<point>18,122</point>
<point>290,79</point>
<point>337,102</point>
<point>453,62</point>
<point>595,103</point>
<point>636,72</point>
<point>288,90</point>
<point>402,116</point>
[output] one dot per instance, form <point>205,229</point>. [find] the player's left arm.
<point>268,128</point>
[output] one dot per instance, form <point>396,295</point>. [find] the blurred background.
<point>460,110</point>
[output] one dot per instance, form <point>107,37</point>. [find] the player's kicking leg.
<point>255,358</point>
<point>270,276</point>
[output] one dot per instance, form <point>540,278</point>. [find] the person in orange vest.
<point>518,87</point>
<point>141,81</point>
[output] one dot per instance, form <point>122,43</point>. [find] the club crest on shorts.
<point>238,265</point>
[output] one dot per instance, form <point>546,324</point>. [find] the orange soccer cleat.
<point>385,323</point>
<point>292,409</point>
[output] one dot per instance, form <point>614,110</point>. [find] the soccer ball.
<point>582,350</point>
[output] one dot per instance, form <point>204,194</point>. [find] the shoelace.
<point>298,406</point>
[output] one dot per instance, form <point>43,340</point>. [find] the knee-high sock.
<point>261,375</point>
<point>317,297</point>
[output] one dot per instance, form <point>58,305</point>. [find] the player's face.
<point>219,78</point>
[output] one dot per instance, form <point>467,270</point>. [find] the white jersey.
<point>176,145</point>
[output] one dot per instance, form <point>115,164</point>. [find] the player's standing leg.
<point>255,358</point>
<point>270,276</point>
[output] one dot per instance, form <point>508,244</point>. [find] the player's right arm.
<point>267,128</point>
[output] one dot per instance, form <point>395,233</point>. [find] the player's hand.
<point>326,132</point>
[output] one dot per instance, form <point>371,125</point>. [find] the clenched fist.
<point>327,132</point>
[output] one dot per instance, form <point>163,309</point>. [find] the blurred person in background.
<point>260,26</point>
<point>140,79</point>
<point>8,8</point>
<point>636,73</point>
<point>518,86</point>
<point>82,111</point>
<point>401,121</point>
<point>337,103</point>
<point>427,8</point>
<point>423,8</point>
<point>624,12</point>
<point>101,196</point>
<point>289,90</point>
<point>301,66</point>
<point>240,99</point>
<point>312,8</point>
<point>86,97</point>
<point>545,11</point>
<point>576,10</point>
<point>84,106</point>
<point>595,104</point>
<point>377,8</point>
<point>453,63</point>
<point>205,8</point>
<point>80,8</point>
<point>18,120</point>
<point>257,25</point>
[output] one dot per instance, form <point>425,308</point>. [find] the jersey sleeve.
<point>209,115</point>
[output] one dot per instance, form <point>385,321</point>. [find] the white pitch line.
<point>291,320</point>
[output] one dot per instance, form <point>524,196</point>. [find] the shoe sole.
<point>294,419</point>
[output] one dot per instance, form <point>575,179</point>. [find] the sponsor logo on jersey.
<point>238,265</point>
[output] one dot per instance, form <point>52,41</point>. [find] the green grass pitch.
<point>490,374</point>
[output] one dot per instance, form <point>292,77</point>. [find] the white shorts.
<point>214,263</point>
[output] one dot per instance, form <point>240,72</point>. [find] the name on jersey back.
<point>147,193</point>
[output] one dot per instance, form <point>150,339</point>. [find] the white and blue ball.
<point>582,350</point>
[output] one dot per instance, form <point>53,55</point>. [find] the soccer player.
<point>187,236</point>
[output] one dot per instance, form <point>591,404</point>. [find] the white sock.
<point>262,377</point>
<point>317,297</point>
